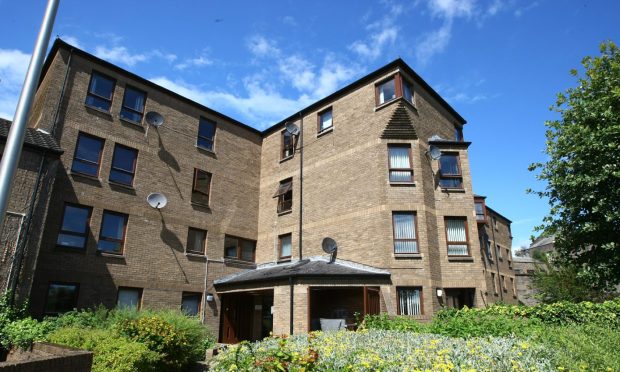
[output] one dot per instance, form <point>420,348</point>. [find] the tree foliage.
<point>582,172</point>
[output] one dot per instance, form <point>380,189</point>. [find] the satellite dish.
<point>330,247</point>
<point>155,119</point>
<point>157,200</point>
<point>292,128</point>
<point>435,152</point>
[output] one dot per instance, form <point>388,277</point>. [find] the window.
<point>450,171</point>
<point>486,245</point>
<point>458,134</point>
<point>239,248</point>
<point>509,257</point>
<point>112,234</point>
<point>123,165</point>
<point>400,163</point>
<point>494,283</point>
<point>74,230</point>
<point>409,301</point>
<point>285,244</point>
<point>288,145</point>
<point>503,282</point>
<point>87,157</point>
<point>196,240</point>
<point>285,196</point>
<point>129,298</point>
<point>408,91</point>
<point>499,252</point>
<point>190,303</point>
<point>201,187</point>
<point>495,225</point>
<point>386,91</point>
<point>133,105</point>
<point>480,215</point>
<point>405,232</point>
<point>325,120</point>
<point>456,236</point>
<point>61,297</point>
<point>100,91</point>
<point>206,134</point>
<point>514,288</point>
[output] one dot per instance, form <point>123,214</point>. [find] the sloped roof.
<point>543,241</point>
<point>310,267</point>
<point>34,138</point>
<point>400,125</point>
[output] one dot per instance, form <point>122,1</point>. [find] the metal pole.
<point>15,140</point>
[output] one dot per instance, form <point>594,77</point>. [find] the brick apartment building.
<point>239,242</point>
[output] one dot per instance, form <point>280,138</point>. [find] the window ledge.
<point>408,255</point>
<point>64,248</point>
<point>205,150</point>
<point>402,184</point>
<point>324,132</point>
<point>238,261</point>
<point>85,176</point>
<point>284,260</point>
<point>386,104</point>
<point>412,104</point>
<point>121,185</point>
<point>195,255</point>
<point>119,256</point>
<point>134,123</point>
<point>285,212</point>
<point>461,258</point>
<point>98,110</point>
<point>201,205</point>
<point>286,158</point>
<point>452,190</point>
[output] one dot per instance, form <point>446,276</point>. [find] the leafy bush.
<point>385,351</point>
<point>111,351</point>
<point>395,323</point>
<point>23,332</point>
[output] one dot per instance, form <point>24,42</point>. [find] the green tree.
<point>583,171</point>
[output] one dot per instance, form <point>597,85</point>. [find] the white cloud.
<point>72,40</point>
<point>13,67</point>
<point>262,47</point>
<point>520,11</point>
<point>260,107</point>
<point>119,54</point>
<point>433,43</point>
<point>381,34</point>
<point>451,8</point>
<point>201,61</point>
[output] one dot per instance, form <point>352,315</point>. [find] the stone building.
<point>27,209</point>
<point>380,167</point>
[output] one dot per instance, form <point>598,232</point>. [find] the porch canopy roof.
<point>312,267</point>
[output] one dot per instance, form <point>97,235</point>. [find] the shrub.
<point>176,338</point>
<point>383,350</point>
<point>23,332</point>
<point>111,351</point>
<point>395,323</point>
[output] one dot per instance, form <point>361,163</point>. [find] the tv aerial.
<point>330,247</point>
<point>157,200</point>
<point>153,119</point>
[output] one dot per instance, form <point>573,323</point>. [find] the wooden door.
<point>237,318</point>
<point>372,302</point>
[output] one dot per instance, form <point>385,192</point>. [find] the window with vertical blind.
<point>400,163</point>
<point>287,145</point>
<point>386,91</point>
<point>285,242</point>
<point>100,91</point>
<point>405,232</point>
<point>133,105</point>
<point>206,134</point>
<point>456,236</point>
<point>325,120</point>
<point>409,301</point>
<point>201,187</point>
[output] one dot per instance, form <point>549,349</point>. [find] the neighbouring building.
<point>380,167</point>
<point>27,209</point>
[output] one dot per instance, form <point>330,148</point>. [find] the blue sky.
<point>499,63</point>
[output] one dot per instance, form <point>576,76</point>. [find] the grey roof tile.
<point>34,138</point>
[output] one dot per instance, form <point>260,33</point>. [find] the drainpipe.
<point>291,289</point>
<point>499,277</point>
<point>301,185</point>
<point>21,246</point>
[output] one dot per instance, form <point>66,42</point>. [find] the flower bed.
<point>384,350</point>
